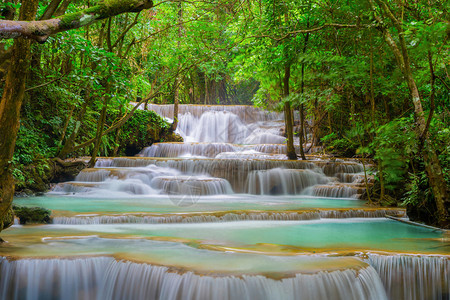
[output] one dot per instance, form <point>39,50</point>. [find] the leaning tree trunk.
<point>400,51</point>
<point>289,126</point>
<point>430,158</point>
<point>10,105</point>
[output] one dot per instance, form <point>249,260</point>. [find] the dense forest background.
<point>370,79</point>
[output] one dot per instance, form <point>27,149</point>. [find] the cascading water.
<point>282,181</point>
<point>413,277</point>
<point>106,278</point>
<point>223,215</point>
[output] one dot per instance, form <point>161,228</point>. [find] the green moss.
<point>103,10</point>
<point>7,219</point>
<point>36,215</point>
<point>141,130</point>
<point>67,21</point>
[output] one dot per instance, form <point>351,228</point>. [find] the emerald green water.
<point>164,204</point>
<point>169,254</point>
<point>317,235</point>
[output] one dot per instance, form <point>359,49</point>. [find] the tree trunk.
<point>66,124</point>
<point>62,8</point>
<point>289,126</point>
<point>50,10</point>
<point>98,136</point>
<point>116,142</point>
<point>177,80</point>
<point>5,54</point>
<point>70,142</point>
<point>302,113</point>
<point>10,106</point>
<point>431,160</point>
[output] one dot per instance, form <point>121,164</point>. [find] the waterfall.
<point>232,168</point>
<point>240,170</point>
<point>105,278</point>
<point>336,191</point>
<point>230,124</point>
<point>214,126</point>
<point>94,175</point>
<point>248,114</point>
<point>412,277</point>
<point>210,150</point>
<point>333,168</point>
<point>188,185</point>
<point>235,171</point>
<point>264,136</point>
<point>130,186</point>
<point>187,149</point>
<point>282,182</point>
<point>228,217</point>
<point>227,149</point>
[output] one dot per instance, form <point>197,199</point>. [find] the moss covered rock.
<point>141,130</point>
<point>34,215</point>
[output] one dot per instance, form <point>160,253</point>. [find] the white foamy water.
<point>106,278</point>
<point>227,149</point>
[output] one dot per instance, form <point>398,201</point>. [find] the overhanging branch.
<point>41,30</point>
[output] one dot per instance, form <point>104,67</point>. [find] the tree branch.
<point>311,30</point>
<point>122,35</point>
<point>46,83</point>
<point>41,30</point>
<point>128,115</point>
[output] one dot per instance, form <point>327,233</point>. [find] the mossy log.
<point>41,30</point>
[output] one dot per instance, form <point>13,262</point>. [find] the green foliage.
<point>31,144</point>
<point>418,190</point>
<point>395,146</point>
<point>341,145</point>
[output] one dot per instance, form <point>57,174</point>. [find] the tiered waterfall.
<point>223,215</point>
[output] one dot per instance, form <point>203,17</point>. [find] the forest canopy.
<point>369,79</point>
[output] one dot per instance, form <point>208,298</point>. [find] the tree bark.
<point>66,124</point>
<point>177,80</point>
<point>62,8</point>
<point>10,106</point>
<point>5,54</point>
<point>98,136</point>
<point>302,113</point>
<point>41,30</point>
<point>289,126</point>
<point>70,142</point>
<point>50,10</point>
